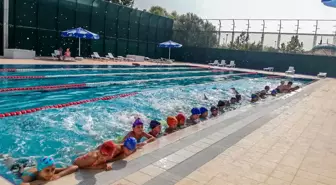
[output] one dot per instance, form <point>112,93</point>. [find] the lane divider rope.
<point>58,106</point>
<point>108,83</point>
<point>93,69</point>
<point>106,74</point>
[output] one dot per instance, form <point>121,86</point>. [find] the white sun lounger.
<point>232,64</point>
<point>110,56</point>
<point>215,63</point>
<point>269,69</point>
<point>290,70</point>
<point>322,75</point>
<point>95,55</point>
<point>223,63</point>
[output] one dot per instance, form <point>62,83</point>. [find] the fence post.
<point>149,18</point>
<point>279,34</point>
<point>128,32</point>
<point>117,32</point>
<point>156,36</point>
<point>139,24</point>
<point>5,24</point>
<point>37,49</point>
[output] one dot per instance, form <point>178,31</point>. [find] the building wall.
<point>304,64</point>
<point>36,25</point>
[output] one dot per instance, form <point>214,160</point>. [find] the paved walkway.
<point>296,147</point>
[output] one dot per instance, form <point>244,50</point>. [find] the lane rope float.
<point>108,83</point>
<point>58,106</point>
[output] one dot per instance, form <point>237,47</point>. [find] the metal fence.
<point>36,25</point>
<point>268,33</point>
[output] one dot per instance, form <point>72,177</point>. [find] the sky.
<point>255,9</point>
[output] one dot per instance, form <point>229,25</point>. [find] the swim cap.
<point>203,110</point>
<point>254,96</point>
<point>137,122</point>
<point>107,148</point>
<point>171,121</point>
<point>274,92</point>
<point>213,108</point>
<point>220,103</point>
<point>154,124</point>
<point>130,143</point>
<point>195,111</point>
<point>44,163</point>
<point>180,117</point>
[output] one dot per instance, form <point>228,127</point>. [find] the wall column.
<point>5,23</point>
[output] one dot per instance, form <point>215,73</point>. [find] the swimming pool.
<point>66,110</point>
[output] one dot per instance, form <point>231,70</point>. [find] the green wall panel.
<point>37,24</point>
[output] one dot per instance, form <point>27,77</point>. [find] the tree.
<point>158,10</point>
<point>270,49</point>
<point>129,3</point>
<point>242,43</point>
<point>293,46</point>
<point>191,30</point>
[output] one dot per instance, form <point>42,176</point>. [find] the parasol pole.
<point>169,53</point>
<point>79,46</point>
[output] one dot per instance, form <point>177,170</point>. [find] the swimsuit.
<point>26,172</point>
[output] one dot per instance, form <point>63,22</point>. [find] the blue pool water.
<point>64,133</point>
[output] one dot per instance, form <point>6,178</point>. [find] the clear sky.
<point>254,9</point>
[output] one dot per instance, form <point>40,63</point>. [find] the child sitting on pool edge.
<point>45,171</point>
<point>107,152</point>
<point>155,127</point>
<point>138,133</point>
<point>172,125</point>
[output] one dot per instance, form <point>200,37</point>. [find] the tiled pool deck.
<point>290,140</point>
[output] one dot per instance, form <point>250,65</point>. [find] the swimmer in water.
<point>221,106</point>
<point>281,87</point>
<point>181,119</point>
<point>254,98</point>
<point>194,118</point>
<point>233,100</point>
<point>204,114</point>
<point>155,127</point>
<point>172,125</point>
<point>214,111</point>
<point>45,171</point>
<point>138,133</point>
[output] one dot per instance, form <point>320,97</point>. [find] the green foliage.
<point>191,30</point>
<point>123,2</point>
<point>158,10</point>
<point>270,49</point>
<point>242,43</point>
<point>293,46</point>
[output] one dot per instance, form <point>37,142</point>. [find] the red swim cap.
<point>107,148</point>
<point>171,121</point>
<point>180,118</point>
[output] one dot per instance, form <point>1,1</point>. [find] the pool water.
<point>64,133</point>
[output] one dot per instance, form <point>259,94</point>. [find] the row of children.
<point>109,151</point>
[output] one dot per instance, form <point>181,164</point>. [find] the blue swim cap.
<point>130,143</point>
<point>154,124</point>
<point>195,111</point>
<point>274,92</point>
<point>254,96</point>
<point>44,163</point>
<point>137,122</point>
<point>203,110</point>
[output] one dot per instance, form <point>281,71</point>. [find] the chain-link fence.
<point>285,36</point>
<point>36,25</point>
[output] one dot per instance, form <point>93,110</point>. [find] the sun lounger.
<point>215,63</point>
<point>290,70</point>
<point>322,75</point>
<point>232,64</point>
<point>95,55</point>
<point>269,69</point>
<point>222,64</point>
<point>110,56</point>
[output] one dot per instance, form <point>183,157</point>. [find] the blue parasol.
<point>331,3</point>
<point>170,44</point>
<point>79,33</point>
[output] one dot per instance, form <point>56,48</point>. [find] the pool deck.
<point>290,140</point>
